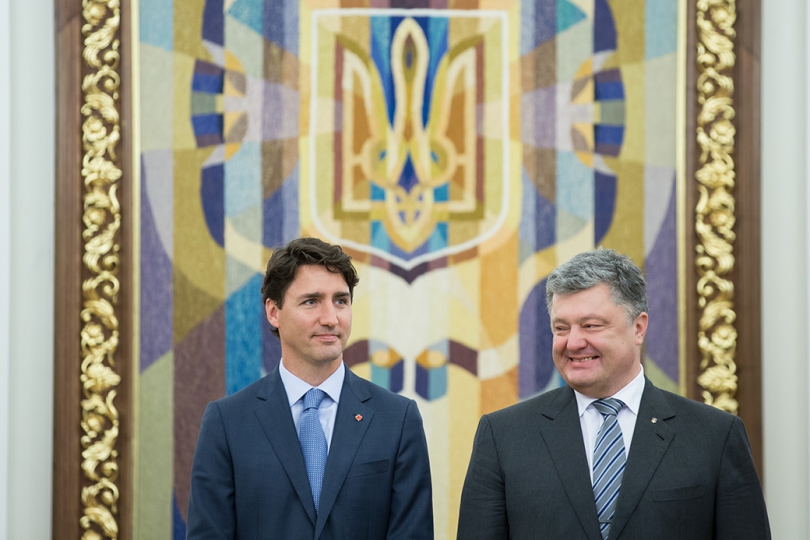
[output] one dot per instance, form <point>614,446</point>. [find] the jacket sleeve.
<point>412,500</point>
<point>211,513</point>
<point>740,505</point>
<point>483,499</point>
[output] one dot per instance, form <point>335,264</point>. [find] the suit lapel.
<point>563,437</point>
<point>346,439</point>
<point>650,443</point>
<point>273,412</point>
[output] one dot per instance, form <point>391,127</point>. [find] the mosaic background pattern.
<point>458,150</point>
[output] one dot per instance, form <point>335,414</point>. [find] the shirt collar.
<point>630,395</point>
<point>296,388</point>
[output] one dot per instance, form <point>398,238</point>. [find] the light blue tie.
<point>608,462</point>
<point>313,442</point>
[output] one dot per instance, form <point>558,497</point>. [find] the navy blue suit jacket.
<point>249,480</point>
<point>689,475</point>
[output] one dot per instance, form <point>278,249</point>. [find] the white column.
<point>807,214</point>
<point>785,286</point>
<point>5,256</point>
<point>31,266</point>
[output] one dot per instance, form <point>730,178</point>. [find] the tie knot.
<point>608,406</point>
<point>313,398</point>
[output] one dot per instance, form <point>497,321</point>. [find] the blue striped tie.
<point>608,462</point>
<point>313,441</point>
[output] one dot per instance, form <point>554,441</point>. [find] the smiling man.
<point>609,456</point>
<point>311,451</point>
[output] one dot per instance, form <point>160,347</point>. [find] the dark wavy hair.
<point>284,263</point>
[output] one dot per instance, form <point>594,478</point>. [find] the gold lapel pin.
<point>358,417</point>
<point>654,420</point>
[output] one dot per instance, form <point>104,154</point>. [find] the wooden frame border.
<point>93,298</point>
<point>84,504</point>
<point>723,319</point>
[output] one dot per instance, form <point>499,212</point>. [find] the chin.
<point>579,383</point>
<point>330,357</point>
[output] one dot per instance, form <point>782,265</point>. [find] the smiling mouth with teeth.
<point>586,359</point>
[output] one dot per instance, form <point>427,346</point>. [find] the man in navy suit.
<point>251,478</point>
<point>609,456</point>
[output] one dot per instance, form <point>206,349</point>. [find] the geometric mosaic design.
<point>458,150</point>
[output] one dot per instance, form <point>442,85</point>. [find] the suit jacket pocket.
<point>371,467</point>
<point>679,494</point>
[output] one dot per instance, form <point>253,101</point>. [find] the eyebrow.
<point>319,295</point>
<point>590,316</point>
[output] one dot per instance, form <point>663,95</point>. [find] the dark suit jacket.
<point>249,480</point>
<point>689,475</point>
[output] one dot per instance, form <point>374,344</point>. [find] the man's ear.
<point>640,326</point>
<point>271,309</point>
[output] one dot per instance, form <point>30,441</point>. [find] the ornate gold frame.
<point>714,212</point>
<point>92,401</point>
<point>101,132</point>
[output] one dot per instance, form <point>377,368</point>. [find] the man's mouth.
<point>584,359</point>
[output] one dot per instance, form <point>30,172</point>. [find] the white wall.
<point>785,266</point>
<point>31,268</point>
<point>5,252</point>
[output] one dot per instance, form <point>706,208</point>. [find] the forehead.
<point>312,278</point>
<point>596,300</point>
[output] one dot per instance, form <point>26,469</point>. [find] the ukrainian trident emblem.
<point>414,178</point>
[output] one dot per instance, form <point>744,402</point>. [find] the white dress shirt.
<point>296,389</point>
<point>591,420</point>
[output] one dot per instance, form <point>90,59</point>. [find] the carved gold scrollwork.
<point>714,213</point>
<point>102,222</point>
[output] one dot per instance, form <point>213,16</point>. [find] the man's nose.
<point>576,338</point>
<point>328,315</point>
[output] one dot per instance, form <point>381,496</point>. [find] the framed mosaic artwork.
<point>458,151</point>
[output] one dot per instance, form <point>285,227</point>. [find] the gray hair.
<point>586,270</point>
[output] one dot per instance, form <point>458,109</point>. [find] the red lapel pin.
<point>358,417</point>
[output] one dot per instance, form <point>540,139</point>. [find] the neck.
<point>313,375</point>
